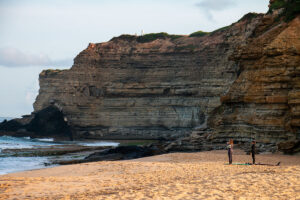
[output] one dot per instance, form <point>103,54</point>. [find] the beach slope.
<point>203,175</point>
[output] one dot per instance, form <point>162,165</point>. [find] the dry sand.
<point>202,175</point>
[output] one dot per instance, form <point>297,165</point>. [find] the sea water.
<point>10,164</point>
<point>5,118</point>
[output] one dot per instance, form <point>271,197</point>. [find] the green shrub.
<point>126,37</point>
<point>277,4</point>
<point>291,8</point>
<point>154,36</point>
<point>198,34</point>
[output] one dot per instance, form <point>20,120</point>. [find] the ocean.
<point>5,118</point>
<point>12,162</point>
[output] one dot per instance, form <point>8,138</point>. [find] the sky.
<point>48,34</point>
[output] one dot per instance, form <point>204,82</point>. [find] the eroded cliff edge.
<point>132,87</point>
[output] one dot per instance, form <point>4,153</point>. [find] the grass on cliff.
<point>154,36</point>
<point>48,72</point>
<point>202,33</point>
<point>125,37</point>
<point>277,4</point>
<point>291,8</point>
<point>198,34</point>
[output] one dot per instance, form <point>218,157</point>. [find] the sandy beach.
<point>202,175</point>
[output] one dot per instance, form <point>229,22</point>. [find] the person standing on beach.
<point>253,151</point>
<point>230,150</point>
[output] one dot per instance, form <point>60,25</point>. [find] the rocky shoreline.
<point>71,153</point>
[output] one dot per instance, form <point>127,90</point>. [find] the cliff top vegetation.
<point>291,8</point>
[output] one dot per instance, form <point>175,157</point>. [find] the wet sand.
<point>203,175</point>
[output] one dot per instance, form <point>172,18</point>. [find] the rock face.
<point>49,122</point>
<point>263,103</point>
<point>133,88</point>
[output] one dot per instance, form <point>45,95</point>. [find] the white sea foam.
<point>8,142</point>
<point>45,139</point>
<point>101,144</point>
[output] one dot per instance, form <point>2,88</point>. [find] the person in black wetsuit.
<point>230,150</point>
<point>253,151</point>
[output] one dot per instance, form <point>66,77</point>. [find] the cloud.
<point>209,6</point>
<point>12,57</point>
<point>68,62</point>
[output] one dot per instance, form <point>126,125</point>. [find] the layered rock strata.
<point>263,103</point>
<point>129,89</point>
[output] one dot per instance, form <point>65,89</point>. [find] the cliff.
<point>149,87</point>
<point>239,82</point>
<point>264,100</point>
<point>263,103</point>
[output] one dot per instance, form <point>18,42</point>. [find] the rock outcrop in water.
<point>48,122</point>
